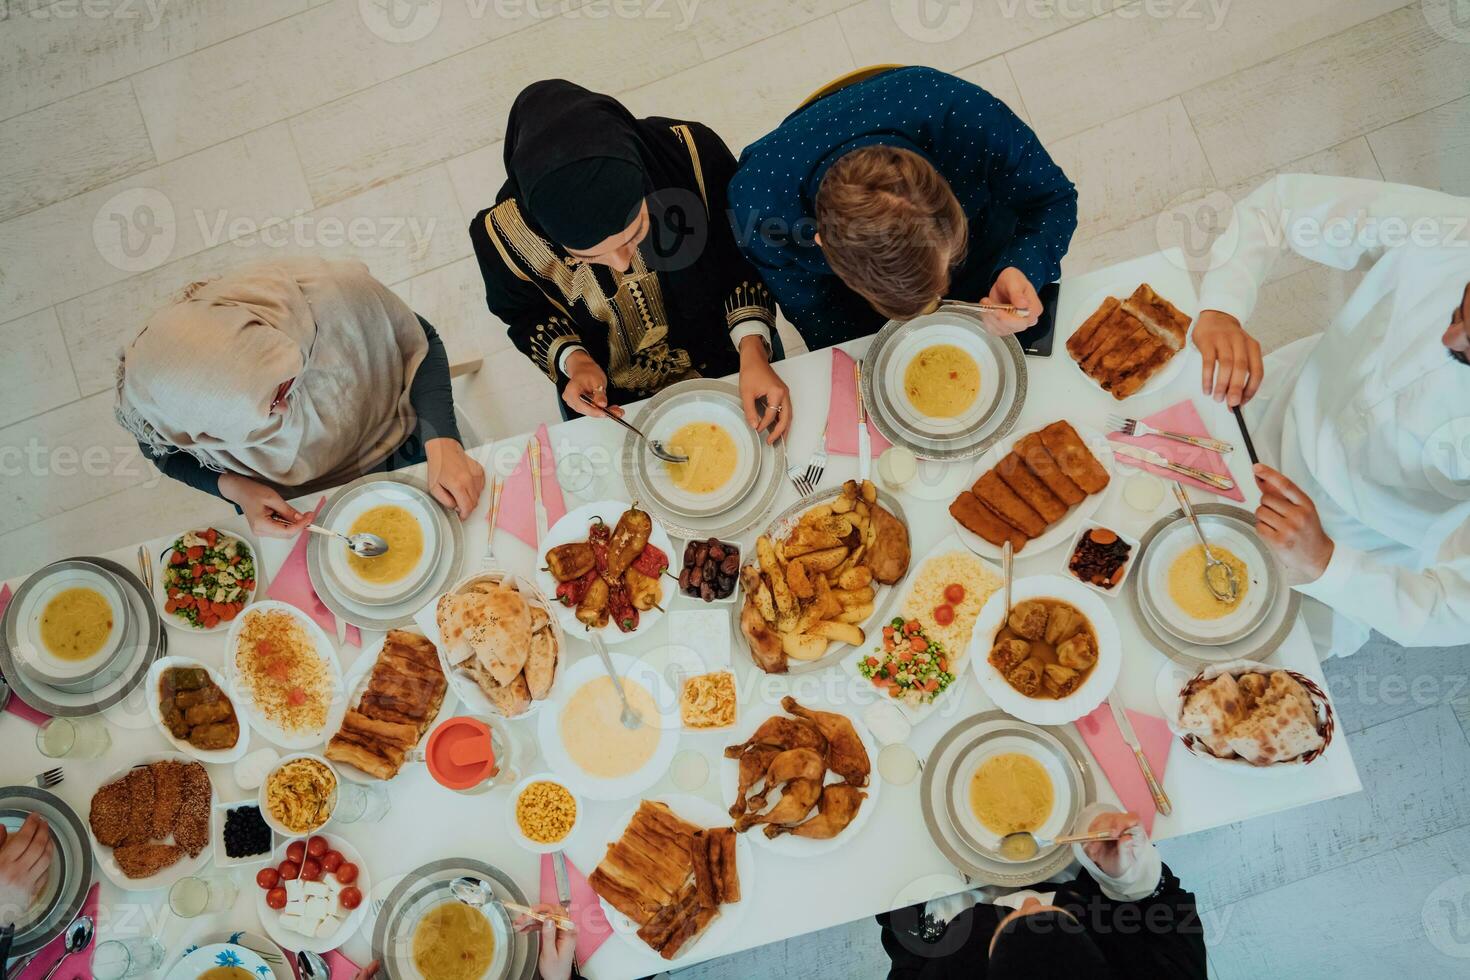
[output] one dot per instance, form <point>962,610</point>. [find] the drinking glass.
<point>73,738</point>
<point>357,803</point>
<point>198,895</point>
<point>120,958</point>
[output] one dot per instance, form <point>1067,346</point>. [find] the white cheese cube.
<point>314,889</point>
<point>318,907</point>
<point>295,890</point>
<point>309,924</point>
<point>291,921</point>
<point>328,928</point>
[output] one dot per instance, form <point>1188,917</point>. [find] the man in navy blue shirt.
<point>878,199</point>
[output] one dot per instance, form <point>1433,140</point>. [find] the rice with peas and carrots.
<point>282,672</point>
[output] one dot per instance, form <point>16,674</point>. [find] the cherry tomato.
<point>267,878</point>
<point>331,861</point>
<point>316,846</point>
<point>276,898</point>
<point>350,898</point>
<point>171,606</point>
<point>211,537</point>
<point>347,872</point>
<point>176,558</point>
<point>290,871</point>
<point>311,870</point>
<point>954,592</point>
<point>944,614</point>
<point>296,851</point>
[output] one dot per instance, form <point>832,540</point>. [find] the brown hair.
<point>891,228</point>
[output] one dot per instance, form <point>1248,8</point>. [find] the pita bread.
<point>499,630</point>
<point>1214,709</point>
<point>1252,686</point>
<point>510,699</point>
<point>539,619</point>
<point>541,664</point>
<point>449,615</point>
<point>1283,732</point>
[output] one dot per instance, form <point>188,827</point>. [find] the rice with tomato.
<point>932,598</point>
<point>279,667</point>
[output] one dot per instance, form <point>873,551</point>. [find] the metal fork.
<point>50,778</point>
<point>797,474</point>
<point>817,464</point>
<point>1133,427</point>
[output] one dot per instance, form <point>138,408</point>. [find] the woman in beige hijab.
<point>288,377</point>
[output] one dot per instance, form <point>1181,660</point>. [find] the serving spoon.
<point>1216,571</point>
<point>630,718</point>
<point>362,545</point>
<point>654,446</point>
<point>476,893</point>
<point>1007,560</point>
<point>1024,845</point>
<point>78,937</point>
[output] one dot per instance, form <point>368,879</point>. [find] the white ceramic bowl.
<point>385,493</point>
<point>515,825</point>
<point>155,711</point>
<point>1047,711</point>
<point>747,456</point>
<point>270,818</point>
<point>1055,823</point>
<point>40,663</point>
<point>1127,565</point>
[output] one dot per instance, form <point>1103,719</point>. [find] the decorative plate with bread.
<point>501,643</point>
<point>1252,717</point>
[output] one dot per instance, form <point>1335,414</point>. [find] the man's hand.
<point>369,972</point>
<point>759,380</point>
<point>1108,854</point>
<point>1013,289</point>
<point>1233,369</point>
<point>1287,520</point>
<point>455,479</point>
<point>261,504</point>
<point>558,946</point>
<point>24,858</point>
<point>585,377</point>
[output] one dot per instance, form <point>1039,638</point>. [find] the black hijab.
<point>578,163</point>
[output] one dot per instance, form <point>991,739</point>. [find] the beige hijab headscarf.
<point>202,373</point>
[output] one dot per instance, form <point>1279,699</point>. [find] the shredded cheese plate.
<point>708,701</point>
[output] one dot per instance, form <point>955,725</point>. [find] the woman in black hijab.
<point>609,256</point>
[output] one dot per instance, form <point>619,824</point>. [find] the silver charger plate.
<point>390,616</point>
<point>142,642</point>
<point>1268,578</point>
<point>969,442</point>
<point>934,790</point>
<point>732,522</point>
<point>435,877</point>
<point>74,857</point>
<point>1257,645</point>
<point>722,397</point>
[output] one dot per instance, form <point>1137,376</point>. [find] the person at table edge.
<point>1363,430</point>
<point>607,257</point>
<point>1124,915</point>
<point>288,377</point>
<point>877,199</point>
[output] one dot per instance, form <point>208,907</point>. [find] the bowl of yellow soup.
<point>1006,785</point>
<point>401,516</point>
<point>943,380</point>
<point>422,932</point>
<point>1172,580</point>
<point>723,451</point>
<point>72,628</point>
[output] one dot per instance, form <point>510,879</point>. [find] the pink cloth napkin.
<point>76,965</point>
<point>16,706</point>
<point>592,925</point>
<point>842,411</point>
<point>292,584</point>
<point>1183,417</point>
<point>1103,739</point>
<point>518,502</point>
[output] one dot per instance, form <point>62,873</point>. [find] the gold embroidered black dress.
<point>670,315</point>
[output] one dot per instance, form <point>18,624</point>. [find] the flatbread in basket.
<point>1249,714</point>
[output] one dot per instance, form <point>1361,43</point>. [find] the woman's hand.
<point>1233,369</point>
<point>1287,521</point>
<point>585,377</point>
<point>455,479</point>
<point>759,380</point>
<point>24,858</point>
<point>369,972</point>
<point>1012,288</point>
<point>261,504</point>
<point>1108,854</point>
<point>558,946</point>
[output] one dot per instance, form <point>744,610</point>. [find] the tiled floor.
<point>148,143</point>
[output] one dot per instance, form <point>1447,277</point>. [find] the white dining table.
<point>891,853</point>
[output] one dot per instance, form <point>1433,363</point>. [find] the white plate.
<point>914,343</point>
<point>182,868</point>
<point>383,494</point>
<point>1061,531</point>
<point>155,711</point>
<point>1080,305</point>
<point>358,676</point>
<point>160,592</point>
<point>747,459</point>
<point>195,963</point>
<point>788,845</point>
<point>270,918</point>
<point>1056,821</point>
<point>1254,605</point>
<point>280,829</point>
<point>255,943</point>
<point>1048,711</point>
<point>246,705</point>
<point>719,933</point>
<point>573,527</point>
<point>40,662</point>
<point>593,787</point>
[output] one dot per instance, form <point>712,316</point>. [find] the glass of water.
<point>120,958</point>
<point>73,738</point>
<point>199,895</point>
<point>357,803</point>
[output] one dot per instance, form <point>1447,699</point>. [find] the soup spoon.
<point>362,545</point>
<point>312,965</point>
<point>654,446</point>
<point>1216,570</point>
<point>1024,845</point>
<point>476,893</point>
<point>631,719</point>
<point>78,938</point>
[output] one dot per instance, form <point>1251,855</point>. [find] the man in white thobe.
<point>1363,430</point>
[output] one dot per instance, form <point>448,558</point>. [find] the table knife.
<point>563,883</point>
<point>1154,459</point>
<point>542,525</point>
<point>864,442</point>
<point>1125,727</point>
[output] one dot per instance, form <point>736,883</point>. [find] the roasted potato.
<point>805,539</point>
<point>824,560</point>
<point>776,576</point>
<point>854,597</point>
<point>855,578</point>
<point>856,614</point>
<point>839,632</point>
<point>797,580</point>
<point>870,492</point>
<point>799,646</point>
<point>841,505</point>
<point>824,603</point>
